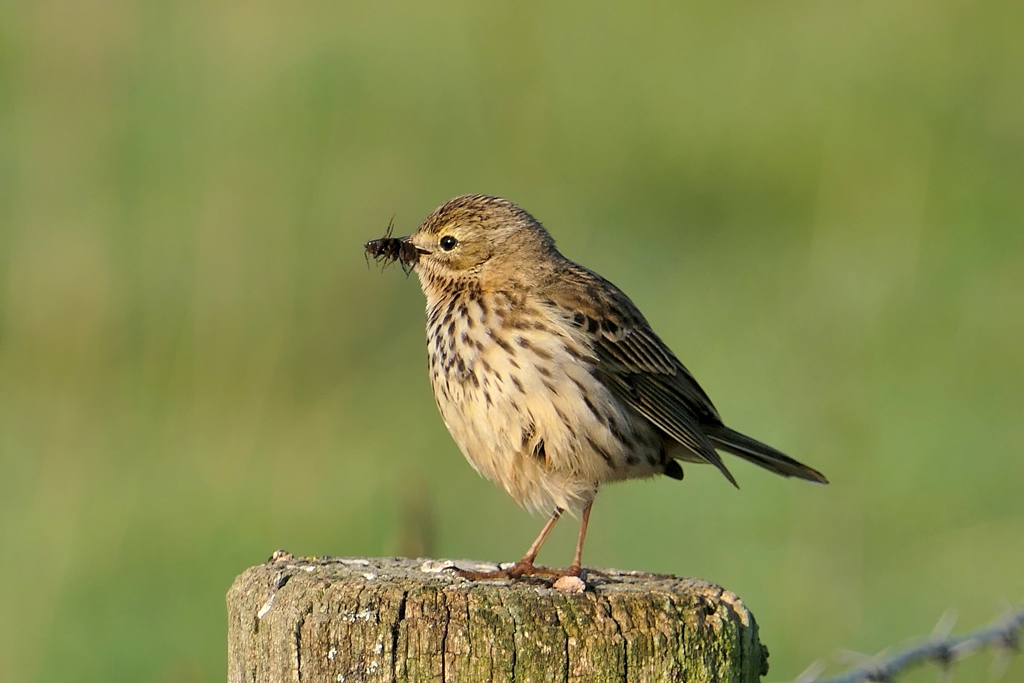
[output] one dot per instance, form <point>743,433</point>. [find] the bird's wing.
<point>635,364</point>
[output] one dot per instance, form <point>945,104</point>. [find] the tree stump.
<point>330,619</point>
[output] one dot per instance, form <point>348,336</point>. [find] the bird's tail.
<point>763,455</point>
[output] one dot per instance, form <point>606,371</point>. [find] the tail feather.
<point>763,455</point>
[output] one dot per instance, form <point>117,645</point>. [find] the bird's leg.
<point>525,566</point>
<point>576,568</point>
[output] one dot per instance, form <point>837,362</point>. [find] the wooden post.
<point>344,620</point>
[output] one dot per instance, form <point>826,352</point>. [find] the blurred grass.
<point>818,206</point>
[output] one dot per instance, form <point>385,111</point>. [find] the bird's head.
<point>480,240</point>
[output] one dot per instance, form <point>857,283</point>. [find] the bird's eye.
<point>448,242</point>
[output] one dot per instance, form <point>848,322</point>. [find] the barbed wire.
<point>940,649</point>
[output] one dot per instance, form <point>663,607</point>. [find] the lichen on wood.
<point>355,619</point>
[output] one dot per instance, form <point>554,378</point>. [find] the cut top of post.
<point>393,619</point>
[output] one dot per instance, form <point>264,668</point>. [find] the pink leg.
<point>523,567</point>
<point>576,568</point>
<point>531,554</point>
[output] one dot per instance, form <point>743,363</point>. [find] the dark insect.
<point>391,249</point>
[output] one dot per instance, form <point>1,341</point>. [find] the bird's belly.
<point>537,422</point>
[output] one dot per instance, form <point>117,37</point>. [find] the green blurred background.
<point>819,206</point>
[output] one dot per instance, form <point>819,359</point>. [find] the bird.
<point>549,378</point>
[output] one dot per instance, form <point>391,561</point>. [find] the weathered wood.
<point>410,620</point>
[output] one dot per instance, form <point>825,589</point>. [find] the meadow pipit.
<point>548,377</point>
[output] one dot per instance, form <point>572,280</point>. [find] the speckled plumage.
<point>548,377</point>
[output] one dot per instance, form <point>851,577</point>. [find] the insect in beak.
<point>390,249</point>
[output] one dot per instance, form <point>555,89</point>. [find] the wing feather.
<point>636,365</point>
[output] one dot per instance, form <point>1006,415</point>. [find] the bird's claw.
<point>523,570</point>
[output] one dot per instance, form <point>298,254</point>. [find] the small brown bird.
<point>548,377</point>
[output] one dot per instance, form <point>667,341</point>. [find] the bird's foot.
<point>520,569</point>
<point>527,570</point>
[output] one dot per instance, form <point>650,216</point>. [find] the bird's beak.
<point>409,253</point>
<point>411,249</point>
